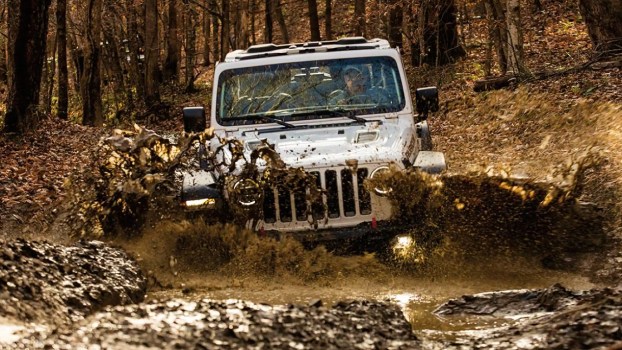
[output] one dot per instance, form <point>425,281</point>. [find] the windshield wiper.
<point>342,112</point>
<point>263,117</point>
<point>329,112</point>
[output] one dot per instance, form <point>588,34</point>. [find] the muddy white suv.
<point>341,110</point>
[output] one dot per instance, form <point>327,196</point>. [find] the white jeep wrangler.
<point>341,110</point>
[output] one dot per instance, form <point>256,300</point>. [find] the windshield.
<point>309,90</point>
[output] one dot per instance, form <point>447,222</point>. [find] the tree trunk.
<point>314,21</point>
<point>396,19</point>
<point>63,74</point>
<point>328,21</point>
<point>516,62</point>
<point>28,23</point>
<point>244,40</point>
<point>267,33</point>
<point>604,23</point>
<point>152,92</point>
<point>136,72</point>
<point>50,68</point>
<point>206,33</point>
<point>114,62</point>
<point>190,46</point>
<point>253,7</point>
<point>496,30</point>
<point>234,23</point>
<point>225,35</point>
<point>437,34</point>
<point>171,63</point>
<point>215,33</point>
<point>3,43</point>
<point>278,13</point>
<point>359,15</point>
<point>90,82</point>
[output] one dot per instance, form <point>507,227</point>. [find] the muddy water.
<point>418,296</point>
<point>297,276</point>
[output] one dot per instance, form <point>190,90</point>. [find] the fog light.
<point>247,192</point>
<point>205,202</point>
<point>403,242</point>
<point>381,189</point>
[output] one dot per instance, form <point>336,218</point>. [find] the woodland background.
<point>102,62</point>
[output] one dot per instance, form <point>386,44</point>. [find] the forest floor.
<point>530,128</point>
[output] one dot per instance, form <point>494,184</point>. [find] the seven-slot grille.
<point>345,197</point>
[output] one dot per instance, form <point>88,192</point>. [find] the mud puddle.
<point>417,295</point>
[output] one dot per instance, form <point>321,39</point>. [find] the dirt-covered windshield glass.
<point>309,90</point>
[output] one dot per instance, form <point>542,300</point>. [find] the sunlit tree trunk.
<point>50,72</point>
<point>314,21</point>
<point>496,33</point>
<point>359,18</point>
<point>277,10</point>
<point>604,23</point>
<point>61,48</point>
<point>206,33</point>
<point>516,62</point>
<point>90,81</point>
<point>253,9</point>
<point>152,92</point>
<point>28,23</point>
<point>171,63</point>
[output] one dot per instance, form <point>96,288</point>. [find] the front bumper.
<point>366,232</point>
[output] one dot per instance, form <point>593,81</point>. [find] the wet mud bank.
<point>44,285</point>
<point>90,295</point>
<point>552,318</point>
<point>233,324</point>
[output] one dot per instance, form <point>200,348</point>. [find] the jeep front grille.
<point>345,197</point>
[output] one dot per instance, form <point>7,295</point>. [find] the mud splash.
<point>198,255</point>
<point>453,219</point>
<point>462,217</point>
<point>137,177</point>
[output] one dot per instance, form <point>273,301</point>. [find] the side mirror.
<point>427,101</point>
<point>194,119</point>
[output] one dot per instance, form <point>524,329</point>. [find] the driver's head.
<point>355,79</point>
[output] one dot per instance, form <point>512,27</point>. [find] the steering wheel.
<point>359,99</point>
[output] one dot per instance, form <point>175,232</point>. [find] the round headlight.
<point>246,192</point>
<point>381,189</point>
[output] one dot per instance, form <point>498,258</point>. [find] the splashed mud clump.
<point>137,180</point>
<point>51,284</point>
<point>207,324</point>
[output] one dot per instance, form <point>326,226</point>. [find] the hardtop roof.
<point>344,44</point>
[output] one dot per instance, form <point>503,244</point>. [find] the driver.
<point>356,80</point>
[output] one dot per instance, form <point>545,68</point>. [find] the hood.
<point>335,144</point>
